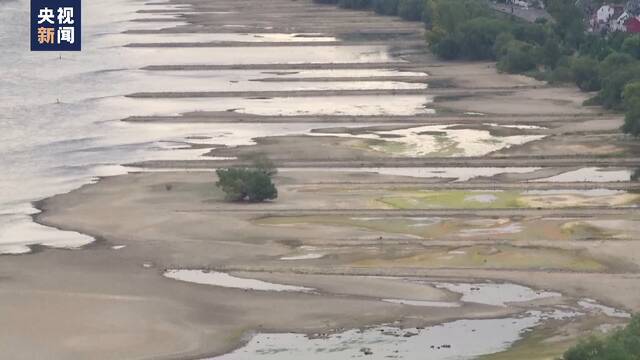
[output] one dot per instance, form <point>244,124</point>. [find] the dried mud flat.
<point>358,238</point>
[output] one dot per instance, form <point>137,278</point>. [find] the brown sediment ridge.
<point>297,66</point>
<point>439,118</point>
<point>102,303</point>
<point>406,162</point>
<point>313,93</point>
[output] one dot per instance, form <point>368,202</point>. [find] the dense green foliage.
<point>623,344</point>
<point>557,51</point>
<point>632,102</point>
<point>248,184</point>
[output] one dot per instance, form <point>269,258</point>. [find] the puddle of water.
<point>411,221</point>
<point>18,233</point>
<point>328,105</point>
<point>591,174</point>
<point>458,174</point>
<point>483,198</point>
<point>587,193</point>
<point>513,228</point>
<point>259,55</point>
<point>225,280</point>
<point>302,257</point>
<point>350,73</point>
<point>133,81</point>
<point>458,340</point>
<point>442,304</point>
<point>590,304</point>
<point>442,140</point>
<point>495,294</point>
<point>521,127</point>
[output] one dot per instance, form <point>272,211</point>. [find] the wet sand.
<point>105,301</point>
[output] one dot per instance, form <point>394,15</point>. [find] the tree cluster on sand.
<point>251,184</point>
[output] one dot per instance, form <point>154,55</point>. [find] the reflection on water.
<point>279,106</point>
<point>440,140</point>
<point>218,37</point>
<point>456,174</point>
<point>457,340</point>
<point>496,294</point>
<point>225,280</point>
<point>591,174</point>
<point>593,305</point>
<point>351,73</point>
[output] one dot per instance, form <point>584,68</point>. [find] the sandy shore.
<point>109,300</point>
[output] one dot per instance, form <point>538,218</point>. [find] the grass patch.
<point>489,257</point>
<point>455,199</point>
<point>501,199</point>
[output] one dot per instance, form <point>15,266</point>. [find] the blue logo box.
<point>56,25</point>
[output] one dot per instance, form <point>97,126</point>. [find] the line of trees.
<point>555,51</point>
<point>558,51</point>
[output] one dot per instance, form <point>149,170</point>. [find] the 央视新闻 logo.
<point>55,25</point>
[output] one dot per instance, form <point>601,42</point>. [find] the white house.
<point>604,13</point>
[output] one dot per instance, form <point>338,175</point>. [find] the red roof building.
<point>633,25</point>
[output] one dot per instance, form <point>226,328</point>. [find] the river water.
<point>60,112</point>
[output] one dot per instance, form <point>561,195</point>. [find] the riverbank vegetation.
<point>623,344</point>
<point>557,51</point>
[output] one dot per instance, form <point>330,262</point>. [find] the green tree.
<point>551,53</point>
<point>585,73</point>
<point>614,62</point>
<point>631,46</point>
<point>412,10</point>
<point>448,15</point>
<point>427,14</point>
<point>447,47</point>
<point>531,33</point>
<point>248,184</point>
<point>263,163</point>
<point>569,24</point>
<point>386,7</point>
<point>519,57</point>
<point>502,44</point>
<point>614,82</point>
<point>632,105</point>
<point>595,46</point>
<point>477,37</point>
<point>355,4</point>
